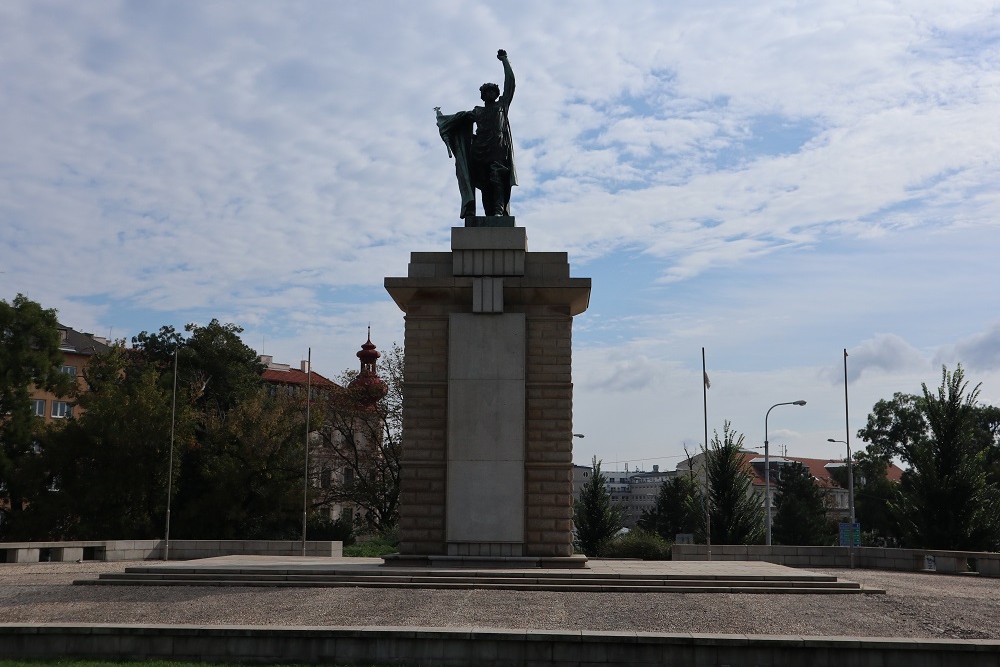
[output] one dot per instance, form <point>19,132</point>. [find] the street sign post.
<point>850,534</point>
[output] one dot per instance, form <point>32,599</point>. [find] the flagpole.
<point>850,462</point>
<point>704,400</point>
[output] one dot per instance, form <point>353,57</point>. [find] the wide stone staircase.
<point>794,581</point>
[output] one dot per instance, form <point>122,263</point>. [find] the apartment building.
<point>77,349</point>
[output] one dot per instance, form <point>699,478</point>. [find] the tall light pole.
<point>767,473</point>
<point>170,469</point>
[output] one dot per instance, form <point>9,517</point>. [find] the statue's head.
<point>489,92</point>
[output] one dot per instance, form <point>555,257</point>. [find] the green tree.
<point>678,509</point>
<point>217,366</point>
<point>736,513</point>
<point>238,451</point>
<point>250,459</point>
<point>595,517</point>
<point>29,357</point>
<point>109,468</point>
<point>800,513</point>
<point>218,374</point>
<point>947,499</point>
<point>875,497</point>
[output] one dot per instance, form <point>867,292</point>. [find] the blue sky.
<point>774,181</point>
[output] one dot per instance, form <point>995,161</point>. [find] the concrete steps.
<point>575,581</point>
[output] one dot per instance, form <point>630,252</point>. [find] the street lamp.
<point>170,469</point>
<point>767,473</point>
<point>850,475</point>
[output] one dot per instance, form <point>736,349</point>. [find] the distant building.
<point>77,348</point>
<point>837,497</point>
<point>345,445</point>
<point>293,381</point>
<point>643,489</point>
<point>633,492</point>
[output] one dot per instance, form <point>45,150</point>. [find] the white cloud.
<point>796,177</point>
<point>887,353</point>
<point>979,352</point>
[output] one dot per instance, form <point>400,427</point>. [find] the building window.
<point>326,478</point>
<point>68,370</point>
<point>38,407</point>
<point>61,409</point>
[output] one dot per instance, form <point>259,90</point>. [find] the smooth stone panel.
<point>487,346</point>
<point>485,501</point>
<point>486,427</point>
<point>486,420</point>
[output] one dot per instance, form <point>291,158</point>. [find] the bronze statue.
<point>484,160</point>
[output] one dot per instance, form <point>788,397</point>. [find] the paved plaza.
<point>915,604</point>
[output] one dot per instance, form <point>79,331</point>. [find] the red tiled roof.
<point>296,377</point>
<point>817,468</point>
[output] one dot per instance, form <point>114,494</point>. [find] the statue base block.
<point>487,464</point>
<point>578,561</point>
<point>490,221</point>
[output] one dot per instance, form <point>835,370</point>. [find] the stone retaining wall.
<point>480,647</point>
<point>115,550</point>
<point>876,558</point>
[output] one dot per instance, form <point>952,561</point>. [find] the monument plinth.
<point>487,463</point>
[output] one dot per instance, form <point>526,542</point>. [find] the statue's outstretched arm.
<point>508,78</point>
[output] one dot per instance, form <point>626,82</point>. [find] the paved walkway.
<point>601,568</point>
<point>916,605</point>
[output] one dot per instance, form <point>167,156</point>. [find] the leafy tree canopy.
<point>948,497</point>
<point>29,357</point>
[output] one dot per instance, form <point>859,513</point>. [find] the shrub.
<point>373,546</point>
<point>324,528</point>
<point>637,543</point>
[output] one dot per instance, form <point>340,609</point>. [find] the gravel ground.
<point>916,605</point>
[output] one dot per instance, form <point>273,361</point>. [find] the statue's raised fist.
<point>501,54</point>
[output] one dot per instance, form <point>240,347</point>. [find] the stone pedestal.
<point>487,469</point>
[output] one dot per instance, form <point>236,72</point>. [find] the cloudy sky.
<point>773,181</point>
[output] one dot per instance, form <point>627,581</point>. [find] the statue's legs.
<point>495,191</point>
<point>468,208</point>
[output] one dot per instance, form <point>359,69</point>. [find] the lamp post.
<point>767,473</point>
<point>170,469</point>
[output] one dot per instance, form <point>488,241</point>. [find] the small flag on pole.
<point>708,383</point>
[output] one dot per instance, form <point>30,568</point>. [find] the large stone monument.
<point>487,467</point>
<point>487,462</point>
